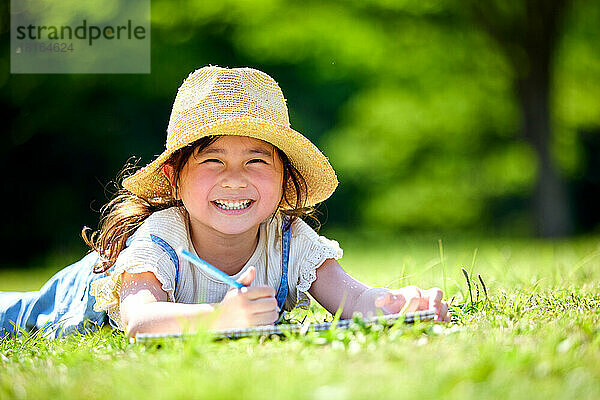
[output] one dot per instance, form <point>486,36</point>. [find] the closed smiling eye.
<point>257,161</point>
<point>211,160</point>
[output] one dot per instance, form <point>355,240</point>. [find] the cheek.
<point>275,183</point>
<point>276,178</point>
<point>196,185</point>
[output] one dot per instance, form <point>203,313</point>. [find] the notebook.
<point>284,329</point>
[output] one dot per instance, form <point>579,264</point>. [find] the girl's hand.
<point>410,299</point>
<point>248,306</point>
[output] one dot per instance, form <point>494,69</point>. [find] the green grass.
<point>536,336</point>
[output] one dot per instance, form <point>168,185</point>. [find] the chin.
<point>232,229</point>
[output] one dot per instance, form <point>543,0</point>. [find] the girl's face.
<point>232,185</point>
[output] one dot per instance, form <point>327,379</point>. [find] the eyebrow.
<point>255,150</point>
<point>264,152</point>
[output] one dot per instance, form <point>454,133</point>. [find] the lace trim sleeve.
<point>320,250</point>
<point>107,290</point>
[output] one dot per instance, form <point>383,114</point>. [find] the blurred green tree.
<point>431,138</point>
<point>420,106</point>
<point>529,32</point>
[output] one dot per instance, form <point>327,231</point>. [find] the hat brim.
<point>321,181</point>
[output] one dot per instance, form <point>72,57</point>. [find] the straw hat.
<point>236,101</point>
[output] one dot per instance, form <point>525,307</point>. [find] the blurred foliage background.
<point>438,116</point>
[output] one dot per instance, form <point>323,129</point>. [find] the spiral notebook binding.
<point>268,330</point>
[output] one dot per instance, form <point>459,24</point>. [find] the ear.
<point>169,172</point>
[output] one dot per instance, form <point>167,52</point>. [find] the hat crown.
<point>212,94</point>
<point>243,102</point>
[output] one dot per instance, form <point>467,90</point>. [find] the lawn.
<point>536,335</point>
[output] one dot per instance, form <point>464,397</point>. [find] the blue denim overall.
<point>64,304</point>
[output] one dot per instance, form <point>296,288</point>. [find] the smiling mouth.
<point>232,205</point>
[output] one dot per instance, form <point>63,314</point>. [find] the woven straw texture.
<point>236,101</point>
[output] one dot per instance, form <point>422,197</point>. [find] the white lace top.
<point>308,251</point>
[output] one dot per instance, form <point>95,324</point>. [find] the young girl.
<point>231,187</point>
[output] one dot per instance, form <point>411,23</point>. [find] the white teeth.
<point>232,205</point>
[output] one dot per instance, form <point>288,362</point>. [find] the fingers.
<point>435,302</point>
<point>264,305</point>
<point>444,315</point>
<point>434,298</point>
<point>248,276</point>
<point>411,305</point>
<point>266,318</point>
<point>411,299</point>
<point>406,299</point>
<point>390,303</point>
<point>248,306</point>
<point>261,311</point>
<point>254,292</point>
<point>258,292</point>
<point>257,300</point>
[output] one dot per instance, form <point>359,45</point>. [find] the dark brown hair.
<point>126,211</point>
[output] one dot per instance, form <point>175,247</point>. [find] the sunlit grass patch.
<point>529,327</point>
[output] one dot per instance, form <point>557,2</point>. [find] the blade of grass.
<point>443,261</point>
<point>466,274</point>
<point>473,261</point>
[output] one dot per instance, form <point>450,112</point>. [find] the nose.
<point>233,178</point>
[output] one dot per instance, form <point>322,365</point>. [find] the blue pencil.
<point>206,267</point>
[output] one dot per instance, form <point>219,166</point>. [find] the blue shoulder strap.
<point>168,249</point>
<point>285,255</point>
<point>172,254</point>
